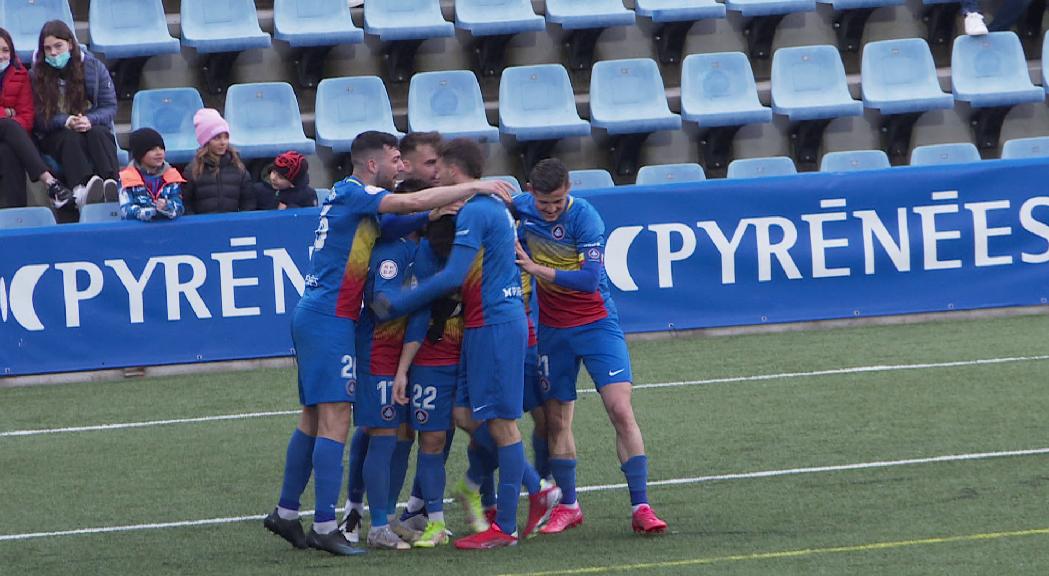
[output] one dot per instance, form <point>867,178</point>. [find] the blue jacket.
<point>136,203</point>
<point>98,90</point>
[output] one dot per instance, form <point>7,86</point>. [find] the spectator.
<point>17,152</point>
<point>75,107</point>
<point>151,186</point>
<point>290,178</point>
<point>216,180</point>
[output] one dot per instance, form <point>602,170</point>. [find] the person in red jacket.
<point>17,153</point>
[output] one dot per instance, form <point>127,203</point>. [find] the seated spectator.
<point>974,24</point>
<point>75,106</point>
<point>290,179</point>
<point>17,152</point>
<point>216,179</point>
<point>1008,14</point>
<point>152,188</point>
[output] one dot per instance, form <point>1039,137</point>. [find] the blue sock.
<point>448,438</point>
<point>398,470</point>
<point>417,491</point>
<point>636,472</point>
<point>298,465</point>
<point>488,458</point>
<point>488,489</point>
<point>327,477</point>
<point>430,473</point>
<point>511,468</point>
<point>542,455</point>
<point>530,479</point>
<point>358,451</point>
<point>563,470</point>
<point>476,468</point>
<point>377,476</point>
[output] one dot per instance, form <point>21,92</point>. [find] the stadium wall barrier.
<point>714,253</point>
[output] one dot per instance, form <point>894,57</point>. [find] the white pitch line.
<point>727,380</point>
<point>598,488</point>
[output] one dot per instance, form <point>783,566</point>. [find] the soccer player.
<point>419,152</point>
<point>323,332</point>
<point>578,321</point>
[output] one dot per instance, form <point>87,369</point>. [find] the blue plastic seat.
<point>130,29</point>
<point>854,160</point>
<point>170,112</point>
<point>497,17</point>
<point>23,19</point>
<point>718,89</point>
<point>899,77</point>
<point>1037,147</point>
<point>314,23</point>
<point>808,83</point>
<point>106,212</point>
<point>538,103</point>
<point>26,217</point>
<point>761,167</point>
<point>122,155</point>
<point>348,106</point>
<point>679,10</point>
<point>1045,63</point>
<point>990,71</point>
<point>212,26</point>
<point>590,179</point>
<point>855,4</point>
<point>627,97</point>
<point>748,8</point>
<point>450,103</point>
<point>406,20</point>
<point>933,154</point>
<point>512,181</point>
<point>582,14</point>
<point>264,120</point>
<point>670,174</point>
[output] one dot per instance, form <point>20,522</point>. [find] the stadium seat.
<point>582,21</point>
<point>590,179</point>
<point>492,23</point>
<point>627,99</point>
<point>763,17</point>
<point>404,25</point>
<point>718,93</point>
<point>450,103</point>
<point>93,213</point>
<point>264,120</point>
<point>939,17</point>
<point>312,29</point>
<point>322,195</point>
<point>673,19</point>
<point>122,155</point>
<point>220,30</point>
<point>898,78</point>
<point>850,17</point>
<point>761,167</point>
<point>990,73</point>
<point>169,111</point>
<point>669,174</point>
<point>23,19</point>
<point>512,181</point>
<point>933,154</point>
<point>348,106</point>
<point>127,33</point>
<point>810,89</point>
<point>1037,147</point>
<point>26,217</point>
<point>854,160</point>
<point>537,107</point>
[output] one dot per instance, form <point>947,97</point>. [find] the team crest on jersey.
<point>558,232</point>
<point>593,254</point>
<point>421,416</point>
<point>351,387</point>
<point>388,269</point>
<point>388,413</point>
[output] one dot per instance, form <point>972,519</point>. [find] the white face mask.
<point>4,64</point>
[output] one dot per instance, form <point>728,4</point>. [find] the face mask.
<point>59,61</point>
<point>4,64</point>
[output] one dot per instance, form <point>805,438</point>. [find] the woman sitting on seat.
<point>216,179</point>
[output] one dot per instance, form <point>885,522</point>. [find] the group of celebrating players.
<point>416,314</point>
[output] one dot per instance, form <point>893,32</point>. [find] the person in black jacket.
<point>286,184</point>
<point>216,179</point>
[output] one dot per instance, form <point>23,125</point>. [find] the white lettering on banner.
<point>284,267</point>
<point>820,244</point>
<point>20,296</point>
<point>900,254</point>
<point>228,283</point>
<point>665,256</point>
<point>726,248</point>
<point>175,287</point>
<point>981,232</point>
<point>616,251</point>
<point>73,295</point>
<point>931,236</point>
<point>1040,229</point>
<point>780,250</point>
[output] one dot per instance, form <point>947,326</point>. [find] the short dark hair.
<point>548,175</point>
<point>371,141</point>
<point>415,140</point>
<point>412,185</point>
<point>465,154</point>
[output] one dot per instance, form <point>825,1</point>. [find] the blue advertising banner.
<point>714,253</point>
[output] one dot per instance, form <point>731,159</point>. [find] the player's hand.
<point>381,307</point>
<point>400,388</point>
<point>524,260</point>
<point>445,210</point>
<point>495,188</point>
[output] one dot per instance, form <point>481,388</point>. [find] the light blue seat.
<point>314,23</point>
<point>808,83</point>
<point>348,106</point>
<point>669,174</point>
<point>990,71</point>
<point>899,77</point>
<point>855,4</point>
<point>130,29</point>
<point>512,181</point>
<point>26,217</point>
<point>264,120</point>
<point>212,26</point>
<point>1037,147</point>
<point>122,155</point>
<point>627,97</point>
<point>170,112</point>
<point>583,14</point>
<point>761,167</point>
<point>854,160</point>
<point>748,8</point>
<point>106,212</point>
<point>497,17</point>
<point>590,179</point>
<point>322,195</point>
<point>538,103</point>
<point>406,20</point>
<point>679,10</point>
<point>718,89</point>
<point>23,19</point>
<point>449,102</point>
<point>933,154</point>
<point>1045,63</point>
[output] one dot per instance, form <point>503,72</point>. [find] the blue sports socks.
<point>377,476</point>
<point>636,472</point>
<point>431,476</point>
<point>541,448</point>
<point>563,470</point>
<point>511,469</point>
<point>358,451</point>
<point>398,469</point>
<point>327,481</point>
<point>298,465</point>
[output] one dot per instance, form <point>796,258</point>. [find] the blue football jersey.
<point>492,289</point>
<point>379,343</point>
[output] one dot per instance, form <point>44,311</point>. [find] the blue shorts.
<point>375,407</point>
<point>325,355</point>
<point>432,390</point>
<point>462,393</point>
<point>601,347</point>
<point>492,363</point>
<point>533,396</point>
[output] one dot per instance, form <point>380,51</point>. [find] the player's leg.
<point>533,404</point>
<point>558,370</point>
<point>376,412</point>
<point>333,423</point>
<point>468,490</point>
<point>298,466</point>
<point>353,516</point>
<point>398,470</point>
<point>431,474</point>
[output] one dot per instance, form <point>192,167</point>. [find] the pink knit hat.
<point>208,124</point>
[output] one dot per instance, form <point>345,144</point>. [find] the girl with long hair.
<point>216,179</point>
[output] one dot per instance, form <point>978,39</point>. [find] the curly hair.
<point>46,78</point>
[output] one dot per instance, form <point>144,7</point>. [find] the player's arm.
<point>447,280</point>
<point>433,197</point>
<point>400,380</point>
<point>585,279</point>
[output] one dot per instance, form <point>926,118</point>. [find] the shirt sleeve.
<point>469,225</point>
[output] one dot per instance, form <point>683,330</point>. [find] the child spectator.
<point>291,180</point>
<point>151,186</point>
<point>216,179</point>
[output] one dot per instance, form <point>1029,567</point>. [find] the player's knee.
<point>432,442</point>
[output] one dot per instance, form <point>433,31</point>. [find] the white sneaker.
<point>385,538</point>
<point>110,190</point>
<point>974,25</point>
<point>356,3</point>
<point>91,193</point>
